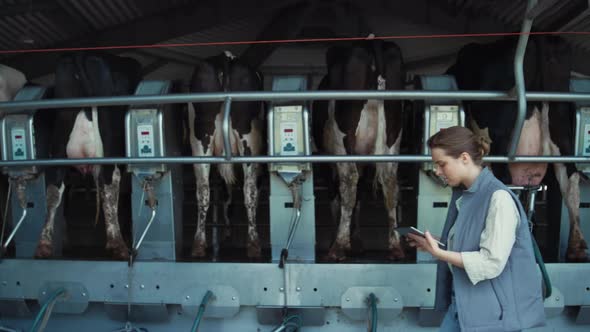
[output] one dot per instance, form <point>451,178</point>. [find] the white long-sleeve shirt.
<point>496,240</point>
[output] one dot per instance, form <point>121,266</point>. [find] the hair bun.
<point>484,145</point>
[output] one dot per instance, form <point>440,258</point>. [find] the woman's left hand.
<point>427,244</point>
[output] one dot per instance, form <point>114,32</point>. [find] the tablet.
<point>403,231</point>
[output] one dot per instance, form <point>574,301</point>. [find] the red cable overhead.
<point>288,41</point>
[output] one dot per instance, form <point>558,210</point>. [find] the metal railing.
<point>179,98</point>
<point>229,97</point>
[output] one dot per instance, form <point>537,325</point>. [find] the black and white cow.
<point>362,127</point>
<point>548,129</point>
<point>90,132</point>
<point>226,73</point>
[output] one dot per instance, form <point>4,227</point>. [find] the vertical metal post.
<point>270,126</point>
<point>519,78</point>
<point>306,138</point>
<point>226,140</point>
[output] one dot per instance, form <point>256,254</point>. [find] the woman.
<point>487,280</point>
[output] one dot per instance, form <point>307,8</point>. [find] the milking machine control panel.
<point>443,116</point>
<point>144,134</point>
<point>144,129</point>
<point>288,137</point>
<point>145,139</point>
<point>439,114</point>
<point>18,132</point>
<point>18,143</point>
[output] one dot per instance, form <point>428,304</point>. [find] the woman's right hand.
<point>427,243</point>
<point>415,241</point>
<point>414,244</point>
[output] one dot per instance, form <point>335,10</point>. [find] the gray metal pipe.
<point>17,106</point>
<point>519,79</point>
<point>225,128</point>
<point>281,159</point>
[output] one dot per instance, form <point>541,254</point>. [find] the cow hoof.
<point>396,254</point>
<point>577,255</point>
<point>198,251</point>
<point>253,250</point>
<point>336,254</point>
<point>44,250</point>
<point>118,250</point>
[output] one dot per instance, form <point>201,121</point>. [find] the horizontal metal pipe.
<point>279,159</point>
<point>538,188</point>
<point>15,106</point>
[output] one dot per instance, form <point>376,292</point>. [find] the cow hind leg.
<point>45,244</point>
<point>110,206</point>
<point>387,177</point>
<point>251,202</point>
<point>577,246</point>
<point>203,199</point>
<point>348,180</point>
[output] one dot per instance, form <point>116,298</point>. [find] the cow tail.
<point>227,173</point>
<point>97,212</point>
<point>95,175</point>
<point>377,180</point>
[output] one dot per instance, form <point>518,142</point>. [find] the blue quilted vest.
<point>513,300</point>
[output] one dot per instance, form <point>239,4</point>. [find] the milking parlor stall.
<point>255,165</point>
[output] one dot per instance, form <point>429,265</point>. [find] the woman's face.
<point>450,169</point>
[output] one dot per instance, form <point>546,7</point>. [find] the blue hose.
<point>201,310</point>
<point>373,306</point>
<point>293,321</point>
<point>51,300</point>
<point>547,288</point>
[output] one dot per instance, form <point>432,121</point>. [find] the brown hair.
<point>456,140</point>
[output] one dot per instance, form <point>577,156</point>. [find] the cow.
<point>548,128</point>
<point>362,127</point>
<point>90,132</point>
<point>225,72</point>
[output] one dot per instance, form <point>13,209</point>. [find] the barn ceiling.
<point>41,24</point>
